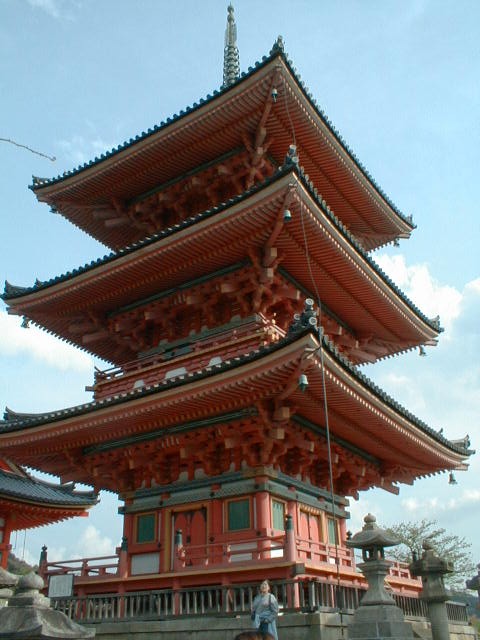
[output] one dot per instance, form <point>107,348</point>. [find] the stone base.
<point>377,622</point>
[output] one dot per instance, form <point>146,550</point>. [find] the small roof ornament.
<point>278,46</point>
<point>231,58</point>
<point>372,540</point>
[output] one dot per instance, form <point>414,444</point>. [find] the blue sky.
<point>399,80</point>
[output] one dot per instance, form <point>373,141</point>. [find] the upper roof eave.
<point>47,186</point>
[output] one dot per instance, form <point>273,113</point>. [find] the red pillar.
<point>262,502</point>
<point>216,555</point>
<point>122,569</point>
<point>290,545</point>
<point>5,546</point>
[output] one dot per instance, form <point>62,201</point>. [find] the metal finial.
<point>231,58</point>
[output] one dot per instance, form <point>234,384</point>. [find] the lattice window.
<point>332,528</point>
<point>238,514</point>
<point>146,527</point>
<point>278,515</point>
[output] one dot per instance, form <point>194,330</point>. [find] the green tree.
<point>447,546</point>
<point>15,565</point>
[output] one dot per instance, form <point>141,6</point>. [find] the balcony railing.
<point>217,555</point>
<point>305,595</point>
<point>187,355</point>
<point>85,567</point>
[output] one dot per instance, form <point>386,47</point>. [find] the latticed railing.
<point>293,595</point>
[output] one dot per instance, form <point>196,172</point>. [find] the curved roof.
<point>362,416</point>
<point>34,502</point>
<point>52,304</point>
<point>205,131</point>
<point>30,489</point>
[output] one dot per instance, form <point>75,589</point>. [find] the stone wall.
<point>292,626</point>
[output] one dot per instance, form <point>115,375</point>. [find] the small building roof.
<point>35,502</point>
<point>30,489</point>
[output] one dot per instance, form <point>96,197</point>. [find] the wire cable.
<point>24,146</point>
<point>325,407</point>
<point>322,366</point>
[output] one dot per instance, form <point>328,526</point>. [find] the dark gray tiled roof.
<point>277,50</point>
<point>19,423</point>
<point>32,489</point>
<point>12,291</point>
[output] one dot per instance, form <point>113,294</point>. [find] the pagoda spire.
<point>231,59</point>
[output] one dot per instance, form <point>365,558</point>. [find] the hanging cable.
<point>325,407</point>
<point>24,146</point>
<point>288,112</point>
<point>24,542</point>
<point>324,385</point>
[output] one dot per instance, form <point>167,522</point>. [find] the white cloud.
<point>41,346</point>
<point>79,150</point>
<point>473,286</point>
<point>432,507</point>
<point>90,544</point>
<point>56,8</point>
<point>52,7</point>
<point>431,297</point>
<point>93,544</point>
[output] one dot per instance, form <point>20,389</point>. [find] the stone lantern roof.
<point>372,540</point>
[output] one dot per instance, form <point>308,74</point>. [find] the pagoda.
<point>235,307</point>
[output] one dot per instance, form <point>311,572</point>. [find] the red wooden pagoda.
<point>234,404</point>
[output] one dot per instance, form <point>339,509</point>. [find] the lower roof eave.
<point>360,414</point>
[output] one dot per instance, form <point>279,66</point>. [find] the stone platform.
<point>291,626</point>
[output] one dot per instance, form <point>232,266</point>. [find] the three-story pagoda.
<point>236,303</point>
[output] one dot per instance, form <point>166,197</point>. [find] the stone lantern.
<point>28,615</point>
<point>377,616</point>
<point>474,584</point>
<point>431,568</point>
<point>7,585</point>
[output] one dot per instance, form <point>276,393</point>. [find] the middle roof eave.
<point>119,279</point>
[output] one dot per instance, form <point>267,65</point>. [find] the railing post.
<point>122,567</point>
<point>42,564</point>
<point>312,601</point>
<point>293,595</point>
<point>290,549</point>
<point>176,600</point>
<point>84,569</point>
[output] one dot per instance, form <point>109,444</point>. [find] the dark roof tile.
<point>21,423</point>
<point>13,291</point>
<point>29,488</point>
<point>38,183</point>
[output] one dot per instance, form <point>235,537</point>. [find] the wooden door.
<point>193,525</point>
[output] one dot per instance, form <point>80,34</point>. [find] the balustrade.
<point>218,554</point>
<point>84,567</point>
<point>304,595</point>
<point>200,352</point>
